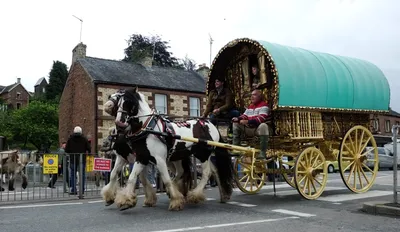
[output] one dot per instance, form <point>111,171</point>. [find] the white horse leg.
<point>177,200</point>
<point>150,199</point>
<point>197,195</point>
<point>108,192</point>
<point>126,197</point>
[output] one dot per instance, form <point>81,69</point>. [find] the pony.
<point>10,164</point>
<point>135,116</point>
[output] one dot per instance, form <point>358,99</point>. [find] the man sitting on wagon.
<point>253,122</point>
<point>220,103</point>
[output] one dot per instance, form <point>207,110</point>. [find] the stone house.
<point>15,96</point>
<point>40,87</point>
<point>178,93</point>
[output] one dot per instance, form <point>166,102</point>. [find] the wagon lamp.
<point>394,138</point>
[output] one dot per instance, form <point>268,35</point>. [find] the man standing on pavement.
<point>77,144</point>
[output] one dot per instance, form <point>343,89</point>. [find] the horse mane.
<point>132,95</point>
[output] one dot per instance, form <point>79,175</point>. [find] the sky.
<point>36,33</point>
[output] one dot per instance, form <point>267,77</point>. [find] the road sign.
<point>89,163</point>
<point>50,164</point>
<point>102,164</point>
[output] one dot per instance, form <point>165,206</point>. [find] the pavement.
<point>338,209</point>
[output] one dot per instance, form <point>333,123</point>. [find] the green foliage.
<point>140,47</point>
<point>37,123</point>
<point>6,125</point>
<point>57,79</point>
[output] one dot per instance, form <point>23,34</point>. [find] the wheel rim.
<point>310,173</point>
<point>288,177</point>
<point>243,178</point>
<point>353,158</point>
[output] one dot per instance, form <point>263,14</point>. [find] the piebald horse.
<point>182,169</point>
<point>135,113</point>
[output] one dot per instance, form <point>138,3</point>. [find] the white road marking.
<point>354,196</point>
<point>91,202</point>
<point>38,205</point>
<point>240,204</point>
<point>295,213</point>
<point>210,199</point>
<point>15,193</point>
<point>226,225</point>
<point>336,203</point>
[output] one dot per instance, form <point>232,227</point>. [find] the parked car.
<point>385,158</point>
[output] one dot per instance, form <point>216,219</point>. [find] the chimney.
<point>78,52</point>
<point>18,80</point>
<point>147,62</point>
<point>203,70</point>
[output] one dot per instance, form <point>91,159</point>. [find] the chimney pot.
<point>18,80</point>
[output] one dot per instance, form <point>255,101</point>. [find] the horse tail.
<point>224,165</point>
<point>187,176</point>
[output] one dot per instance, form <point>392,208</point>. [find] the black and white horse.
<point>135,115</point>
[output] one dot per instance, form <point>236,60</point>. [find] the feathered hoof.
<point>176,204</point>
<point>125,199</point>
<point>224,199</point>
<point>24,185</point>
<point>110,202</point>
<point>195,198</point>
<point>108,195</point>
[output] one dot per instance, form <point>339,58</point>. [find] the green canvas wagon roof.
<point>320,80</point>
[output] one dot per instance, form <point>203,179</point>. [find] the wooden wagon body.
<point>321,110</point>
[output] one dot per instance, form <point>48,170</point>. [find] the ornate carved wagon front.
<point>321,106</point>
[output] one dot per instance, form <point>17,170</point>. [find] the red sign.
<point>101,164</point>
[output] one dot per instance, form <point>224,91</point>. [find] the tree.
<point>6,125</point>
<point>57,79</point>
<point>189,64</point>
<point>140,47</point>
<point>37,123</point>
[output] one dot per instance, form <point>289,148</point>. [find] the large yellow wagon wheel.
<point>353,157</point>
<point>311,173</point>
<point>245,180</point>
<point>287,167</point>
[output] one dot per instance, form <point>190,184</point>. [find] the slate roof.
<point>127,73</point>
<point>7,88</point>
<point>1,88</point>
<point>39,81</point>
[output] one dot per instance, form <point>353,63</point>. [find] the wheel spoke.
<point>365,166</point>
<point>359,177</point>
<point>349,165</point>
<point>365,176</point>
<point>316,158</point>
<point>351,172</point>
<point>361,140</point>
<point>365,145</point>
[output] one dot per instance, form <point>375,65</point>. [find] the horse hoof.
<point>11,189</point>
<point>24,186</point>
<point>108,203</point>
<point>125,207</point>
<point>2,190</point>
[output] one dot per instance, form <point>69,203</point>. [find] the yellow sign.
<point>89,163</point>
<point>50,164</point>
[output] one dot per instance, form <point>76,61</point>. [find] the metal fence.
<point>57,177</point>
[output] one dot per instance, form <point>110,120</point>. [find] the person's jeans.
<point>151,174</point>
<point>74,167</point>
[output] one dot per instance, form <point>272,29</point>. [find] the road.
<point>336,210</point>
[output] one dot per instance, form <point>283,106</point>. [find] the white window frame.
<point>194,107</point>
<point>162,108</point>
<point>387,126</point>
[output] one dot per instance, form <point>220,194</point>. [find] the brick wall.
<point>382,124</point>
<point>77,106</point>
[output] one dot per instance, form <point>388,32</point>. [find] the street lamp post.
<point>394,138</point>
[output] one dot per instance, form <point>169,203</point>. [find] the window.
<point>44,89</point>
<point>387,126</point>
<point>194,104</point>
<point>376,124</point>
<point>18,105</point>
<point>161,103</point>
<point>18,95</point>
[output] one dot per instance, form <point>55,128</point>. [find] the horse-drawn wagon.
<point>321,108</point>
